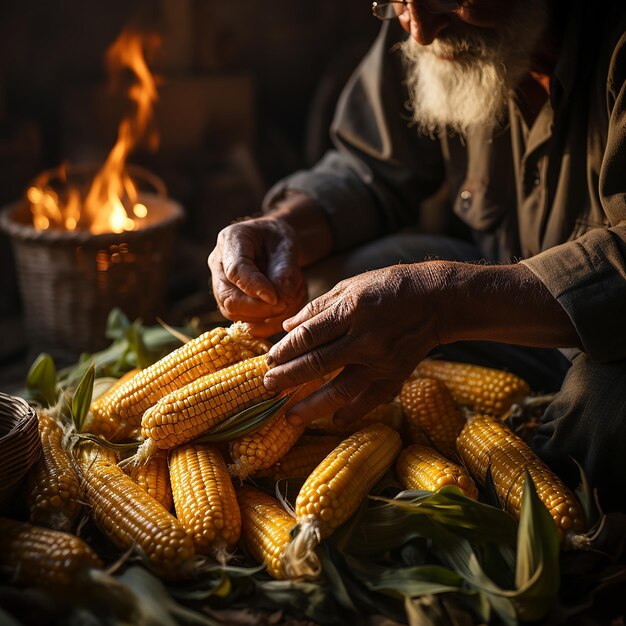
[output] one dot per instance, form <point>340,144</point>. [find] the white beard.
<point>471,89</point>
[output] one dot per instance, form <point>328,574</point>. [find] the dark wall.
<point>268,120</point>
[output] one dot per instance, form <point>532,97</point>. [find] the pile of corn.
<point>179,502</point>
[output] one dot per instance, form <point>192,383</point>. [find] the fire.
<point>103,208</point>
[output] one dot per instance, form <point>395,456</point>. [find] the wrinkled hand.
<point>255,274</point>
<point>377,326</point>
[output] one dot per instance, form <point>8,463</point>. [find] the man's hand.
<point>380,324</point>
<point>255,274</point>
<point>376,326</point>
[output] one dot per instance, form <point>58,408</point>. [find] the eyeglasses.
<point>435,7</point>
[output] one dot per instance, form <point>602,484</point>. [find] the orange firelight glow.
<point>111,204</point>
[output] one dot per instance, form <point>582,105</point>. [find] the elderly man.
<point>518,110</point>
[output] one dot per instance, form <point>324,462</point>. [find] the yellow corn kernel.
<point>308,452</point>
<point>335,489</point>
<point>482,389</point>
<point>187,413</point>
<point>421,467</point>
<point>129,516</point>
<point>118,415</point>
<point>487,444</point>
<point>429,406</point>
<point>41,557</point>
<point>204,499</point>
<point>265,529</point>
<point>343,479</point>
<point>53,488</point>
<point>102,420</point>
<point>264,447</point>
<point>153,476</point>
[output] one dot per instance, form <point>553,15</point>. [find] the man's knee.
<point>587,422</point>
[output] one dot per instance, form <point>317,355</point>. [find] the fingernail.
<point>270,361</point>
<point>294,420</point>
<point>266,296</point>
<point>269,383</point>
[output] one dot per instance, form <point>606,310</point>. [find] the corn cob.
<point>264,447</point>
<point>41,557</point>
<point>102,420</point>
<point>389,414</point>
<point>129,516</point>
<point>486,444</point>
<point>336,488</point>
<point>153,476</point>
<point>119,415</point>
<point>266,528</point>
<point>420,467</point>
<point>308,452</point>
<point>204,499</point>
<point>429,406</point>
<point>482,389</point>
<point>53,490</point>
<point>187,413</point>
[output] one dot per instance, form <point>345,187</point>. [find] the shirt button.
<point>466,200</point>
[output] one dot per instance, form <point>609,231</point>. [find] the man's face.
<point>461,66</point>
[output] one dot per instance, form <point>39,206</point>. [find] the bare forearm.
<point>504,303</point>
<point>308,221</point>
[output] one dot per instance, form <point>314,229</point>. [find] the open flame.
<point>103,208</point>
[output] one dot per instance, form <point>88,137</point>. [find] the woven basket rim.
<point>20,446</point>
<point>14,411</point>
<point>27,232</point>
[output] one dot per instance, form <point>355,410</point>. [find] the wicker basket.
<point>70,280</point>
<point>20,445</point>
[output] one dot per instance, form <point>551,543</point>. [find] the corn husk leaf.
<point>394,521</point>
<point>308,599</point>
<point>244,422</point>
<point>81,400</point>
<point>350,591</point>
<point>121,356</point>
<point>538,545</point>
<point>126,446</point>
<point>437,611</point>
<point>101,386</point>
<point>41,380</point>
<point>453,524</point>
<point>401,582</point>
<point>117,324</point>
<point>156,605</point>
<point>182,337</point>
<point>214,579</point>
<point>585,497</point>
<point>137,344</point>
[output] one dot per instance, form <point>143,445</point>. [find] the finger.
<point>309,335</point>
<point>240,268</point>
<point>313,308</point>
<point>283,271</point>
<point>310,365</point>
<point>235,304</point>
<point>376,394</point>
<point>266,320</point>
<point>266,328</point>
<point>330,397</point>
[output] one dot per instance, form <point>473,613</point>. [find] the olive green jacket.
<point>552,196</point>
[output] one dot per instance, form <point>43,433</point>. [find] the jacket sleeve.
<point>381,168</point>
<point>588,275</point>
